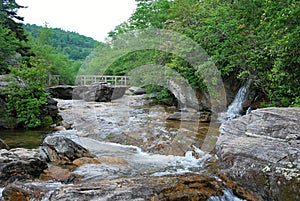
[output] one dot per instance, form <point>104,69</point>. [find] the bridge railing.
<point>113,80</point>
<point>53,80</point>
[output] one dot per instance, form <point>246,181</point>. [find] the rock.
<point>22,192</point>
<point>185,95</point>
<point>57,174</point>
<point>190,116</point>
<point>260,152</point>
<point>20,164</point>
<point>51,110</point>
<point>3,145</point>
<point>118,92</point>
<point>64,149</point>
<point>100,92</point>
<point>59,128</point>
<point>184,187</point>
<point>64,92</point>
<point>85,160</point>
<point>137,90</point>
<point>112,160</point>
<point>106,160</point>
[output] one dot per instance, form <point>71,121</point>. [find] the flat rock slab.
<point>184,187</point>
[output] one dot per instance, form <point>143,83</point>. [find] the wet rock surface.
<point>261,153</point>
<point>135,121</point>
<point>20,164</point>
<point>190,116</point>
<point>184,187</point>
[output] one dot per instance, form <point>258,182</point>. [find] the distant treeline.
<point>71,44</point>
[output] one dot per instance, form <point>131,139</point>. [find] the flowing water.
<point>137,135</point>
<point>1,189</point>
<point>235,109</point>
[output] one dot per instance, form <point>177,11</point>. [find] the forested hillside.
<point>74,45</point>
<point>255,40</point>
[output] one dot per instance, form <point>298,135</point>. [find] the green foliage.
<point>12,37</point>
<point>246,39</point>
<point>56,63</point>
<point>9,45</point>
<point>73,45</point>
<point>26,96</point>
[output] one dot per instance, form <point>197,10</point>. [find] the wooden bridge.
<point>90,79</point>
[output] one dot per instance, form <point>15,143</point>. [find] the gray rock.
<point>137,90</point>
<point>100,92</point>
<point>20,164</point>
<point>61,91</point>
<point>3,145</point>
<point>185,95</point>
<point>64,149</point>
<point>260,152</point>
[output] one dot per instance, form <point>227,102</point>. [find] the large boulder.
<point>260,152</point>
<point>61,91</point>
<point>137,90</point>
<point>100,92</point>
<point>20,164</point>
<point>60,148</point>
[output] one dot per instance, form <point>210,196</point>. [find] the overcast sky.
<point>93,18</point>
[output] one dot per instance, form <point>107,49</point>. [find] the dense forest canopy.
<point>255,40</point>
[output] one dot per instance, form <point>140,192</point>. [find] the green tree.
<point>8,18</point>
<point>9,45</point>
<point>26,96</point>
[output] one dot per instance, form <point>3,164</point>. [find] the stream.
<point>135,131</point>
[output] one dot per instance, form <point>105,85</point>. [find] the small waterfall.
<point>228,196</point>
<point>235,109</point>
<point>1,190</point>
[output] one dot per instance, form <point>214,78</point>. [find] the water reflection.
<point>17,138</point>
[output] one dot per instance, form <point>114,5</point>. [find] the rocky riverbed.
<point>127,149</point>
<point>120,150</point>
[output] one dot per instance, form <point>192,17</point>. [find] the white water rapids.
<point>160,148</point>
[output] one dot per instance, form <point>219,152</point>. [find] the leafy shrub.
<point>26,96</point>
